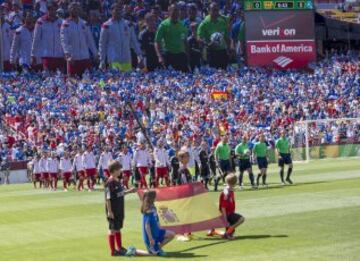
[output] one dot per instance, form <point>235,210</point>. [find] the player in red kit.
<point>142,161</point>
<point>125,158</point>
<point>66,169</point>
<point>89,164</point>
<point>162,163</point>
<point>227,208</point>
<point>79,168</point>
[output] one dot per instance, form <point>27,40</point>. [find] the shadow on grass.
<point>249,237</point>
<point>204,246</point>
<point>224,241</point>
<point>273,186</point>
<point>183,255</point>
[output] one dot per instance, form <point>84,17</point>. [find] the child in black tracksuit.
<point>175,166</point>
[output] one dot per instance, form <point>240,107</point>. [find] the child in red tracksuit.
<point>227,208</point>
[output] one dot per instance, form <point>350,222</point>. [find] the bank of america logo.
<point>283,61</point>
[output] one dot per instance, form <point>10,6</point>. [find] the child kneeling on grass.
<point>154,237</point>
<point>227,208</point>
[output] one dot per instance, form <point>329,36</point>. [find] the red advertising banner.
<point>280,39</point>
<point>281,54</point>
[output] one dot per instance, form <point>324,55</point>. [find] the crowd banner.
<point>327,151</point>
<point>186,208</point>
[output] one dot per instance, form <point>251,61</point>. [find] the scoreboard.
<point>258,5</point>
<point>280,34</point>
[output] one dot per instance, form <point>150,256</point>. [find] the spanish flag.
<point>219,95</point>
<point>186,208</point>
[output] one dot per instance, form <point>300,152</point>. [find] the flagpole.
<point>140,124</point>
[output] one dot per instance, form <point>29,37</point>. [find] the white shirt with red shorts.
<point>104,160</point>
<point>66,167</point>
<point>89,163</point>
<point>161,162</point>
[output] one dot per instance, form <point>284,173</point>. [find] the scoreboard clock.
<point>257,5</point>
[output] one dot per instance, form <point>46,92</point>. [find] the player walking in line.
<point>36,171</point>
<point>260,152</point>
<point>161,164</point>
<point>283,151</point>
<point>79,169</point>
<point>53,170</point>
<point>243,152</point>
<point>65,170</point>
<point>222,156</point>
<point>105,157</point>
<point>142,161</point>
<point>89,164</point>
<point>125,159</point>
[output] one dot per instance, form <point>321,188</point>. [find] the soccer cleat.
<point>117,253</point>
<point>288,180</point>
<point>131,251</point>
<point>283,183</point>
<point>211,233</point>
<point>65,190</point>
<point>161,253</point>
<point>228,236</point>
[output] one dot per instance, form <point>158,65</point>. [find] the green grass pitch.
<point>316,219</point>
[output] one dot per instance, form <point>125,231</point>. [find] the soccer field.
<point>318,218</point>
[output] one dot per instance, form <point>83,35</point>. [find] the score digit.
<point>257,5</point>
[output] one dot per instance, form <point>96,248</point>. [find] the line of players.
<point>209,167</point>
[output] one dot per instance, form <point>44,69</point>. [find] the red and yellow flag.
<point>219,95</point>
<point>186,208</point>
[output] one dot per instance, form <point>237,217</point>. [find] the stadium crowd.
<point>105,111</point>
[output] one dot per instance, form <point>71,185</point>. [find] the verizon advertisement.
<point>280,39</point>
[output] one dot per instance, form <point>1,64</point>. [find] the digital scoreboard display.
<point>257,5</point>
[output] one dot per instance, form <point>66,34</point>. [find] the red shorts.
<point>127,173</point>
<point>52,64</point>
<point>162,172</point>
<point>78,67</point>
<point>80,174</point>
<point>45,175</point>
<point>66,175</point>
<point>143,170</point>
<point>37,176</point>
<point>8,66</point>
<point>107,173</point>
<point>91,172</point>
<point>54,175</point>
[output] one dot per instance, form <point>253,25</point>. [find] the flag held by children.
<point>186,208</point>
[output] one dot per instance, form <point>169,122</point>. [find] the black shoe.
<point>119,253</point>
<point>288,180</point>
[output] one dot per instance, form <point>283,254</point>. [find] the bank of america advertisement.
<point>281,39</point>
